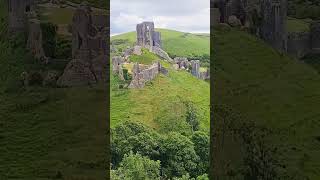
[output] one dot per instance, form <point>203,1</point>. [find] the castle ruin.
<point>147,36</point>
<point>89,49</point>
<point>272,28</point>
<point>18,10</point>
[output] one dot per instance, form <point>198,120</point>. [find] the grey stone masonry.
<point>17,14</point>
<point>147,36</point>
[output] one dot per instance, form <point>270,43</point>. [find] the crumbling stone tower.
<point>273,28</point>
<point>147,36</point>
<point>17,10</point>
<point>89,34</point>
<point>89,49</point>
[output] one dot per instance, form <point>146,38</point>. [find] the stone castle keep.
<point>89,41</point>
<point>272,28</point>
<point>147,36</point>
<point>18,10</point>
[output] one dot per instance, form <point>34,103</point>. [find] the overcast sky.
<point>182,15</point>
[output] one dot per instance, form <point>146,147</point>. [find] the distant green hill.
<point>274,91</point>
<point>176,43</point>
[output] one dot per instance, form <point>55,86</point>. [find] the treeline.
<point>139,152</point>
<point>304,9</point>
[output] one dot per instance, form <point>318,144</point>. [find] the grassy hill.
<point>161,104</point>
<point>275,92</point>
<point>176,43</point>
<point>47,133</point>
<point>176,103</point>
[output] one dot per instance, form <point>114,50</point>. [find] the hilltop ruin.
<point>89,49</point>
<point>151,40</point>
<point>89,42</point>
<point>272,28</point>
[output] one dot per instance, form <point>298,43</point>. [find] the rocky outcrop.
<point>128,52</point>
<point>205,75</point>
<point>89,50</point>
<point>50,78</point>
<point>77,73</point>
<point>158,51</point>
<point>234,21</point>
<point>137,50</point>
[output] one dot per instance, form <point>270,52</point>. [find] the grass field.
<point>275,92</point>
<point>145,58</point>
<point>56,15</point>
<point>297,25</point>
<point>177,43</point>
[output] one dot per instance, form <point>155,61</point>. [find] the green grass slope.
<point>47,133</point>
<point>161,104</point>
<point>176,43</point>
<point>275,92</point>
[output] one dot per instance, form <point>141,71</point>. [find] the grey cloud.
<point>183,15</point>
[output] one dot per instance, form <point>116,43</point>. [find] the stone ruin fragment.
<point>147,36</point>
<point>117,62</point>
<point>141,76</point>
<point>195,68</point>
<point>89,49</point>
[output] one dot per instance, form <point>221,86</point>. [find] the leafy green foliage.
<point>177,153</point>
<point>201,143</point>
<point>63,48</point>
<point>135,166</point>
<point>191,116</point>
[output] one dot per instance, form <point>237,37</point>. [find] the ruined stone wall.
<point>140,77</point>
<point>89,49</point>
<point>273,27</point>
<point>299,44</point>
<point>17,12</point>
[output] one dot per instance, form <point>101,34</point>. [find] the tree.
<point>191,116</point>
<point>135,166</point>
<point>201,145</point>
<point>120,135</point>
<point>178,156</point>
